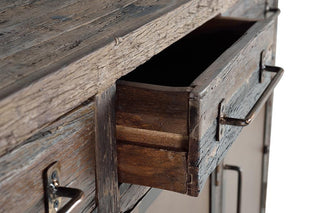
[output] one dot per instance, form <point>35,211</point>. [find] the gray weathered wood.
<point>79,63</point>
<point>130,195</point>
<point>106,153</point>
<point>70,140</point>
<point>232,69</point>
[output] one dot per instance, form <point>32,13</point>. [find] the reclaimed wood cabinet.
<point>102,100</point>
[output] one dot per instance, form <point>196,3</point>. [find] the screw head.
<point>56,205</point>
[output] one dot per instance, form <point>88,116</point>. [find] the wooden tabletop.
<point>54,54</point>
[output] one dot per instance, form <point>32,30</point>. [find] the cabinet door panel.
<point>247,153</point>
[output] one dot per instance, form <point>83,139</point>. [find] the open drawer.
<point>175,113</point>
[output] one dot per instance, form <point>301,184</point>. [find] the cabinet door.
<point>159,201</point>
<point>246,153</point>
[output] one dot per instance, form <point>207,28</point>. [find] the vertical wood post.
<point>107,192</point>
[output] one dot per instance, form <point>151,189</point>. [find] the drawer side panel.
<point>234,68</point>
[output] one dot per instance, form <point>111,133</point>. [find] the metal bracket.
<point>220,128</point>
<point>54,192</point>
<point>262,66</point>
<point>268,9</point>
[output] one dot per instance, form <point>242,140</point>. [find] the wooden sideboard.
<point>60,100</point>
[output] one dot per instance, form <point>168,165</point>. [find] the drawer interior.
<point>181,63</point>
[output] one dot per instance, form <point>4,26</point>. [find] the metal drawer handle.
<point>239,172</point>
<point>261,101</point>
<point>54,192</point>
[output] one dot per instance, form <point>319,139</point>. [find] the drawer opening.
<point>182,62</point>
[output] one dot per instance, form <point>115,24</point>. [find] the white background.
<point>294,169</point>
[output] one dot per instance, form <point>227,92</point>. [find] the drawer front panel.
<point>70,140</point>
<point>152,167</point>
<point>236,80</point>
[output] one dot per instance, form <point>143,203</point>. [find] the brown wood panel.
<point>153,138</point>
<point>106,152</point>
<point>152,107</point>
<point>232,69</point>
<point>147,166</point>
<point>97,53</point>
<point>69,140</point>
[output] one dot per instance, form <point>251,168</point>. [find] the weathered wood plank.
<point>147,166</point>
<point>244,55</point>
<point>106,152</point>
<point>152,107</point>
<point>130,195</point>
<point>72,75</point>
<point>26,26</point>
<point>212,151</point>
<point>69,140</point>
<point>248,9</point>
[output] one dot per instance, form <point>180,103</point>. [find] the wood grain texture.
<point>69,140</point>
<point>106,153</point>
<point>152,107</point>
<point>130,195</point>
<point>153,138</point>
<point>211,152</point>
<point>248,9</point>
<point>221,80</point>
<point>147,166</point>
<point>244,55</point>
<point>85,60</point>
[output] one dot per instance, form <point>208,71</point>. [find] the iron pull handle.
<point>261,101</point>
<point>239,190</point>
<point>54,192</point>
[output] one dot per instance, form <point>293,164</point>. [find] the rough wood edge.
<point>131,195</point>
<point>107,191</point>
